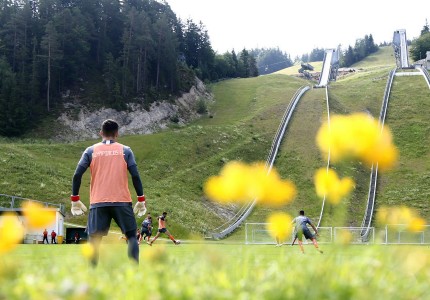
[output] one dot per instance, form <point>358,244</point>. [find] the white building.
<point>35,235</point>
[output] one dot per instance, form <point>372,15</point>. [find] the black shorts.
<point>99,219</point>
<point>145,231</point>
<point>304,232</point>
<point>162,230</point>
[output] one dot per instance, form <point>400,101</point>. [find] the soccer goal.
<point>398,234</point>
<point>257,233</point>
<point>353,235</point>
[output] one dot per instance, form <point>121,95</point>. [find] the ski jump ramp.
<point>400,45</point>
<point>330,67</point>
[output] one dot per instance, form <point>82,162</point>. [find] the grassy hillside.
<point>293,70</point>
<point>360,92</point>
<point>173,163</point>
<point>408,117</point>
<point>380,59</point>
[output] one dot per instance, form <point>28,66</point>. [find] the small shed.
<point>81,233</point>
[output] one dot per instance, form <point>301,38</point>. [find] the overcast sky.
<point>299,26</point>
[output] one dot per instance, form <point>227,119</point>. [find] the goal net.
<point>257,233</point>
<point>354,235</point>
<point>398,234</point>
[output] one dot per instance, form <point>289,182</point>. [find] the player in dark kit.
<point>146,229</point>
<point>302,230</point>
<point>110,197</point>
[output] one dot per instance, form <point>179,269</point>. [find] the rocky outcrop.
<point>135,120</point>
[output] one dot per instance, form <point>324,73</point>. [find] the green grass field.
<point>217,271</point>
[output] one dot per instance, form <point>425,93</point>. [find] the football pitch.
<point>216,271</point>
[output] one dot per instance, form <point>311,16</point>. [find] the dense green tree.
<point>52,53</point>
<point>362,48</point>
<point>316,54</point>
<point>106,52</point>
<point>13,110</point>
<point>420,46</point>
<point>425,29</point>
<point>271,60</point>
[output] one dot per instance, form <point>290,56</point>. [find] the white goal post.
<point>257,234</point>
<point>398,234</point>
<point>353,235</point>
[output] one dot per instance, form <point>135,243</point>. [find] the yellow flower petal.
<point>279,225</point>
<point>239,183</point>
<point>404,216</point>
<point>11,232</point>
<point>37,216</point>
<point>328,184</point>
<point>87,250</point>
<point>358,136</point>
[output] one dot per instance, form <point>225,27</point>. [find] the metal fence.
<point>234,222</point>
<point>11,202</point>
<point>393,234</point>
<point>368,214</point>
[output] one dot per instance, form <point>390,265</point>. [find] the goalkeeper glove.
<point>140,207</point>
<point>78,208</point>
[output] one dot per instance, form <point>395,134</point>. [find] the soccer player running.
<point>162,229</point>
<point>146,230</point>
<point>302,229</point>
<point>109,194</point>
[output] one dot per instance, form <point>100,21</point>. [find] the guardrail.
<point>328,157</point>
<point>368,215</point>
<point>425,73</point>
<point>234,222</point>
<point>15,202</point>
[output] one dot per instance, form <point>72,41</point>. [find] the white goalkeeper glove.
<point>78,208</point>
<point>140,207</point>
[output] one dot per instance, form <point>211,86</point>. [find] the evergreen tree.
<point>51,46</point>
<point>13,110</point>
<point>420,46</point>
<point>425,29</point>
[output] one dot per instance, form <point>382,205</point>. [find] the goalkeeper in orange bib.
<point>162,229</point>
<point>110,197</point>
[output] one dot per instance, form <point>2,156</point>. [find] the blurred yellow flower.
<point>279,226</point>
<point>400,215</point>
<point>87,250</point>
<point>37,216</point>
<point>344,237</point>
<point>358,136</point>
<point>328,184</point>
<point>239,182</point>
<point>11,232</point>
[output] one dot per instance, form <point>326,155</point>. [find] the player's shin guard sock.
<point>314,241</point>
<point>133,247</point>
<point>95,243</point>
<point>172,238</point>
<point>301,247</point>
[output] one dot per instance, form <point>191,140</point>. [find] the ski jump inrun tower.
<point>330,67</point>
<point>400,45</point>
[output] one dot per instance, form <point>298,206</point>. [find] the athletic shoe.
<point>149,243</point>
